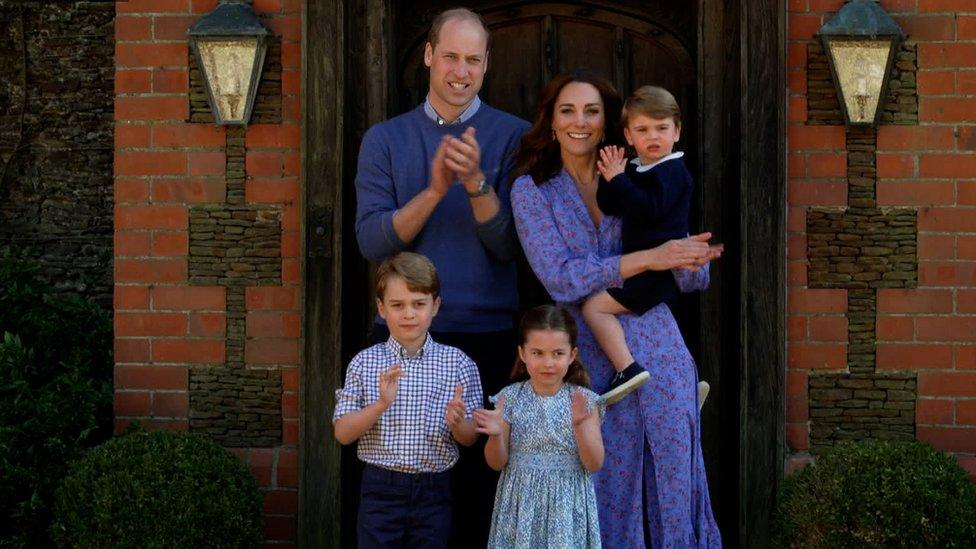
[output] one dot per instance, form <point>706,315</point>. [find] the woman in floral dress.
<point>652,490</point>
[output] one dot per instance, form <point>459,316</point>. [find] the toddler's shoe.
<point>625,382</point>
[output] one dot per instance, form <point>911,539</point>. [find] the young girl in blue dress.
<point>544,436</point>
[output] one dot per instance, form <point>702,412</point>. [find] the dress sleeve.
<point>510,393</point>
<point>691,281</point>
<point>593,401</point>
<point>376,199</point>
<point>351,397</point>
<point>569,277</point>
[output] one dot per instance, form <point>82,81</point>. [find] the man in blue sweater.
<point>435,181</point>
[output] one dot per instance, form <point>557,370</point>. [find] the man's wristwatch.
<point>483,189</point>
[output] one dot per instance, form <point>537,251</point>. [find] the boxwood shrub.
<point>158,489</point>
<point>878,494</point>
<point>55,393</point>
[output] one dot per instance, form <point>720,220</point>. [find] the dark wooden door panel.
<point>707,53</point>
<point>363,65</point>
<point>515,66</point>
<point>658,63</point>
<point>586,44</point>
<point>532,43</point>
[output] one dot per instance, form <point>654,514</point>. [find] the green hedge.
<point>158,489</point>
<point>878,494</point>
<point>55,393</point>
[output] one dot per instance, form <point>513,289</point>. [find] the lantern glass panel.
<point>859,66</point>
<point>228,65</point>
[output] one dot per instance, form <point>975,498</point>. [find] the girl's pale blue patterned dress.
<point>653,477</point>
<point>545,497</point>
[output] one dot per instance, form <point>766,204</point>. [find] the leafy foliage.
<point>158,489</point>
<point>878,494</point>
<point>55,393</point>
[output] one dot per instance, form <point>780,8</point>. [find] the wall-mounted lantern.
<point>860,41</point>
<point>229,44</point>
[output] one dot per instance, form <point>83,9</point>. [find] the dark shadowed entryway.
<point>724,62</point>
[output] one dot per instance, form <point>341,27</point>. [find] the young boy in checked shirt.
<point>408,402</point>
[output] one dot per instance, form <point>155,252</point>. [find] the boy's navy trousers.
<point>404,509</point>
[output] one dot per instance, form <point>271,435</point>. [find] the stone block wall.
<point>56,102</point>
<point>861,406</point>
<point>881,319</point>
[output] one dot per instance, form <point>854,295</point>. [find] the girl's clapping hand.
<point>491,422</point>
<point>580,413</point>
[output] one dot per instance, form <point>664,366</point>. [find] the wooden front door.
<point>530,43</point>
<point>723,60</point>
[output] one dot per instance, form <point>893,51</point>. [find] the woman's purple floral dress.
<point>653,470</point>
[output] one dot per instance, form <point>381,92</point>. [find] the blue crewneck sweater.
<point>654,204</point>
<point>474,261</point>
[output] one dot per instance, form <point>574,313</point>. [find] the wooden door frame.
<point>742,67</point>
<point>323,89</point>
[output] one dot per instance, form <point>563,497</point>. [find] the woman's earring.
<point>553,135</point>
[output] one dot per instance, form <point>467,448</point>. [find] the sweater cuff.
<point>497,235</point>
<point>493,225</point>
<point>620,179</point>
<point>390,234</point>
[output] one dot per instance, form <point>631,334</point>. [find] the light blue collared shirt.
<point>465,116</point>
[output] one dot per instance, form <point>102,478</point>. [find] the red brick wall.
<point>931,167</point>
<point>163,164</point>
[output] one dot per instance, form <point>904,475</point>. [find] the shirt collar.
<point>464,117</point>
<point>400,352</point>
<point>644,167</point>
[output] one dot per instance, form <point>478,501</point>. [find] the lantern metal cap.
<point>229,18</point>
<point>861,19</point>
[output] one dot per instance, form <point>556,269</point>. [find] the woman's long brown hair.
<point>538,154</point>
<point>551,317</point>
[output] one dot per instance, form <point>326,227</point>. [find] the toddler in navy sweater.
<point>652,196</point>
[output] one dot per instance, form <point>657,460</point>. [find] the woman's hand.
<point>490,422</point>
<point>692,253</point>
<point>611,162</point>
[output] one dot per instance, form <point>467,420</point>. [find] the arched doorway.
<point>722,59</point>
<point>531,42</point>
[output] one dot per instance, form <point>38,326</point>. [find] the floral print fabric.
<point>545,498</point>
<point>652,490</point>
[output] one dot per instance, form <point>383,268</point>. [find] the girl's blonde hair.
<point>551,317</point>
